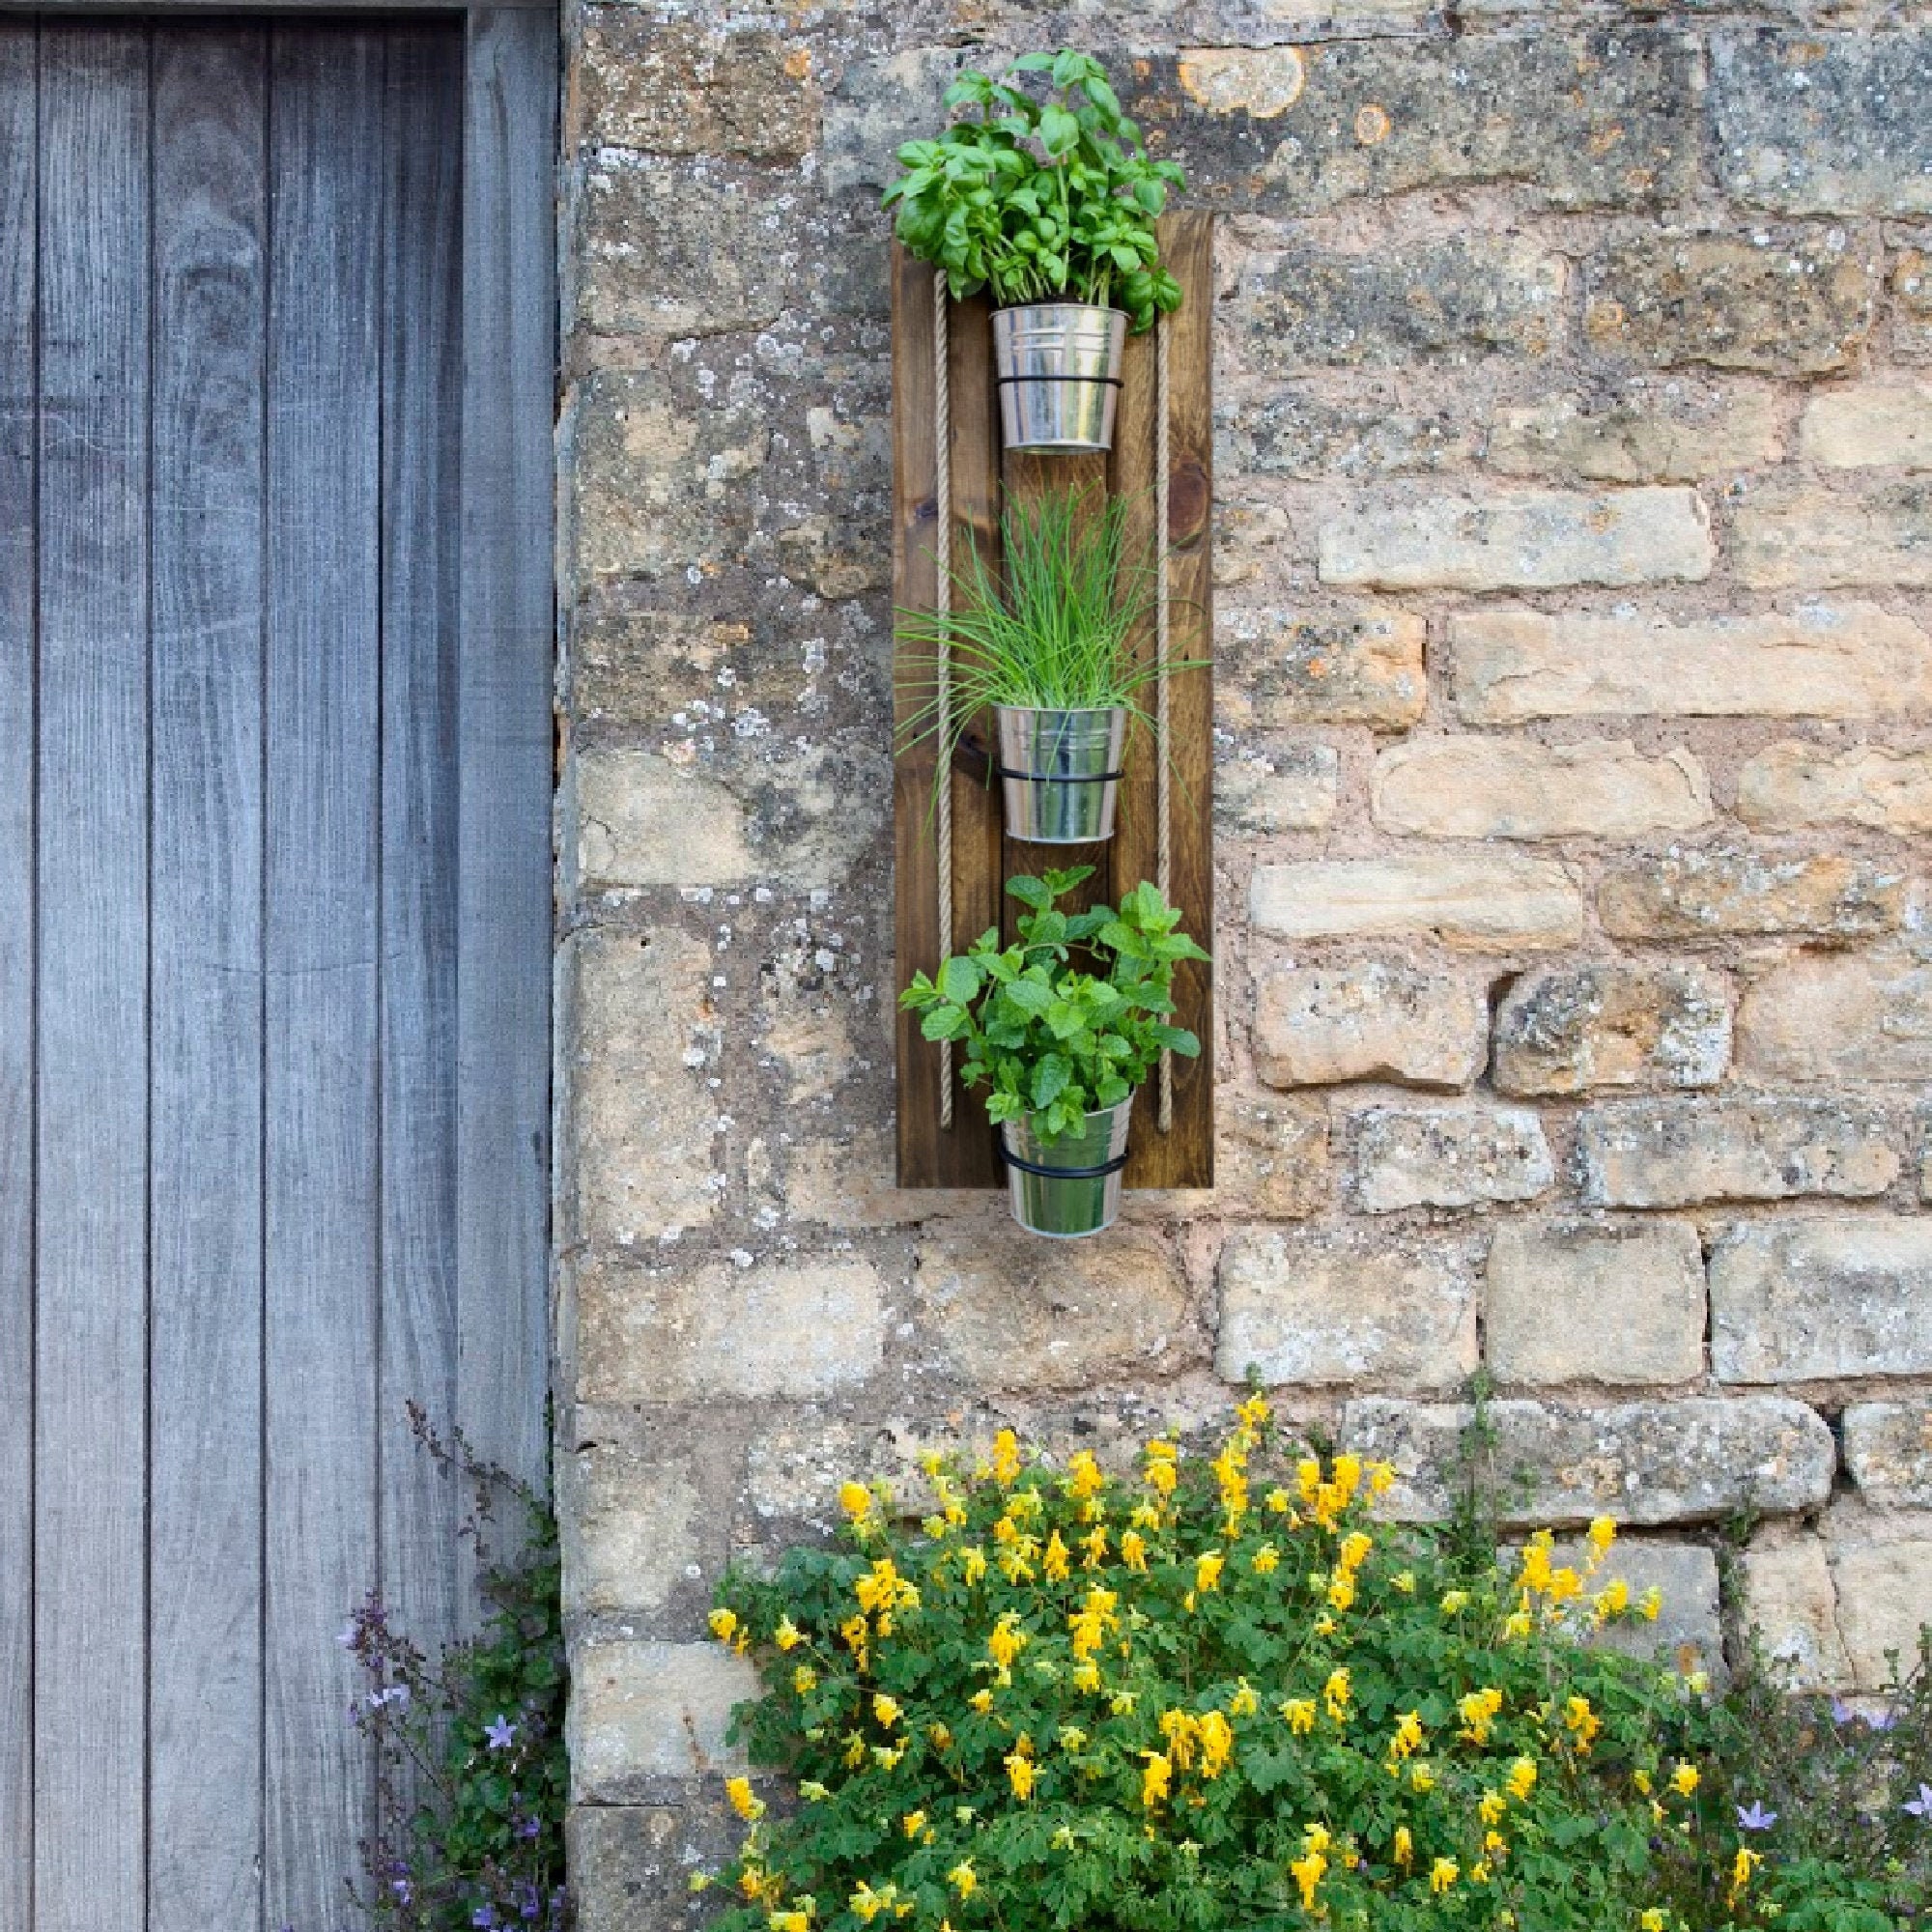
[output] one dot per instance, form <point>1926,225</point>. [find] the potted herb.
<point>1050,205</point>
<point>1061,1050</point>
<point>1046,647</point>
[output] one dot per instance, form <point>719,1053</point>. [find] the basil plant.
<point>1051,1039</point>
<point>1039,201</point>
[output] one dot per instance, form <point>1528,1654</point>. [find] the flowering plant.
<point>1216,1694</point>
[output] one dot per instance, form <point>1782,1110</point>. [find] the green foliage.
<point>1049,1039</point>
<point>1050,200</point>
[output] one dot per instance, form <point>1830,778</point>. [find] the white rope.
<point>1164,852</point>
<point>942,392</point>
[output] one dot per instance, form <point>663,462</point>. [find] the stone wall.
<point>1575,565</point>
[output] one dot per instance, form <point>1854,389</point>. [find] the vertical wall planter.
<point>951,862</point>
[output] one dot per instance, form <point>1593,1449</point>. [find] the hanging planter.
<point>1070,1186</point>
<point>1050,205</point>
<point>1060,772</point>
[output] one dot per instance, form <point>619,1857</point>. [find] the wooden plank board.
<point>210,308</point>
<point>19,411</point>
<point>503,704</point>
<point>91,1199</point>
<point>320,1340</point>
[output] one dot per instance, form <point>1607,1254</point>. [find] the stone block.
<point>1870,425</point>
<point>1788,302</point>
<point>642,820</point>
<point>1317,1026</point>
<point>1682,1153</point>
<point>880,102</point>
<point>1790,1603</point>
<point>1622,1303</point>
<point>1848,660</point>
<point>851,1182</point>
<point>1263,789</point>
<point>636,1123</point>
<point>1888,1451</point>
<point>634,1524</point>
<point>714,1331</point>
<point>1824,123</point>
<point>1651,431</point>
<point>1851,530</point>
<point>1002,1309</point>
<point>1912,305</point>
<point>1696,1459</point>
<point>1822,1300</point>
<point>1492,901</point>
<point>1361,428</point>
<point>1716,892</point>
<point>1885,1596</point>
<point>1798,784</point>
<point>1458,1156</point>
<point>1529,540</point>
<point>1688,1635</point>
<point>1271,1156</point>
<point>1852,1017</point>
<point>631,1864</point>
<point>1469,787</point>
<point>1571,1029</point>
<point>642,1711</point>
<point>1436,301</point>
<point>636,668</point>
<point>1362,664</point>
<point>1322,1308</point>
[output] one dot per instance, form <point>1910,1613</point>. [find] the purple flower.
<point>393,1693</point>
<point>1882,1721</point>
<point>485,1918</point>
<point>403,1890</point>
<point>1841,1712</point>
<point>502,1734</point>
<point>1756,1819</point>
<point>1922,1806</point>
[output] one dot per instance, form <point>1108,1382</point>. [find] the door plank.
<point>421,439</point>
<point>504,726</point>
<point>18,413</point>
<point>210,296</point>
<point>321,1342</point>
<point>91,1196</point>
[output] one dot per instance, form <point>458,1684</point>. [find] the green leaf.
<point>959,980</point>
<point>1030,892</point>
<point>1050,1079</point>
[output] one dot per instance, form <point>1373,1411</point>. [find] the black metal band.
<point>1111,382</point>
<point>1012,1159</point>
<point>1057,778</point>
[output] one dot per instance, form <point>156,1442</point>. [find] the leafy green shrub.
<point>1050,200</point>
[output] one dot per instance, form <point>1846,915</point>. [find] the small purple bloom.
<point>392,1693</point>
<point>502,1734</point>
<point>484,1918</point>
<point>1756,1819</point>
<point>403,1890</point>
<point>1841,1712</point>
<point>1882,1721</point>
<point>1922,1806</point>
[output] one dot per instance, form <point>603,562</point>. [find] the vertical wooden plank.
<point>323,545</point>
<point>210,296</point>
<point>421,447</point>
<point>19,136</point>
<point>505,696</point>
<point>92,1194</point>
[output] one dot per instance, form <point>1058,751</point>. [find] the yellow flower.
<point>1208,1570</point>
<point>1160,1474</point>
<point>1601,1534</point>
<point>1741,1867</point>
<point>868,1904</point>
<point>1253,1412</point>
<point>856,1500</point>
<point>1006,1456</point>
<point>814,1792</point>
<point>1316,1837</point>
<point>1244,1703</point>
<point>1122,1703</point>
<point>1307,1873</point>
<point>1277,1501</point>
<point>1347,1474</point>
<point>887,1756</point>
<point>1516,1624</point>
<point>1301,1714</point>
<point>789,1921</point>
<point>1086,1675</point>
<point>981,1701</point>
<point>1155,1779</point>
<point>1217,1742</point>
<point>1490,1806</point>
<point>1265,1561</point>
<point>1683,1779</point>
<point>1443,1874</point>
<point>1421,1778</point>
<point>1056,1560</point>
<point>1582,1722</point>
<point>1404,1581</point>
<point>1407,1739</point>
<point>1020,1769</point>
<point>1006,1640</point>
<point>914,1822</point>
<point>1642,1779</point>
<point>1454,1602</point>
<point>885,1709</point>
<point>1405,1846</point>
<point>1522,1779</point>
<point>1354,1551</point>
<point>1134,1550</point>
<point>787,1636</point>
<point>1652,1920</point>
<point>1335,1694</point>
<point>963,1879</point>
<point>739,1791</point>
<point>1072,1737</point>
<point>1083,1476</point>
<point>1479,1709</point>
<point>1612,1600</point>
<point>1650,1603</point>
<point>1381,1478</point>
<point>971,1563</point>
<point>1094,1543</point>
<point>805,1680</point>
<point>1308,1474</point>
<point>723,1625</point>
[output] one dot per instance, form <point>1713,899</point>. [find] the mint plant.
<point>1050,200</point>
<point>1051,1039</point>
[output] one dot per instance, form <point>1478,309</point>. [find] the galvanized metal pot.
<point>1072,1187</point>
<point>1059,369</point>
<point>1060,772</point>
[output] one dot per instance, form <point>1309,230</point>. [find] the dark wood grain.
<point>90,1193</point>
<point>327,172</point>
<point>20,181</point>
<point>210,304</point>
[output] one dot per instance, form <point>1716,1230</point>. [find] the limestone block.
<point>1693,1459</point>
<point>880,102</point>
<point>1447,1156</point>
<point>1853,529</point>
<point>1680,1153</point>
<point>642,1711</point>
<point>677,86</point>
<point>1885,1595</point>
<point>1688,1635</point>
<point>1844,660</point>
<point>1514,788</point>
<point>1622,1304</point>
<point>1571,1029</point>
<point>691,1333</point>
<point>1328,1307</point>
<point>1888,1451</point>
<point>1271,1156</point>
<point>1912,305</point>
<point>1787,302</point>
<point>1360,665</point>
<point>633,1523</point>
<point>1492,901</point>
<point>1711,892</point>
<point>1650,432</point>
<point>1794,785</point>
<point>1269,788</point>
<point>1789,1601</point>
<point>1525,539</point>
<point>1852,1017</point>
<point>631,1864</point>
<point>1820,1300</point>
<point>1317,1026</point>
<point>1870,425</point>
<point>1360,427</point>
<point>1004,1310</point>
<point>642,820</point>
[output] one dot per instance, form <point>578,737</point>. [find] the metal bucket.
<point>1060,772</point>
<point>1046,1201</point>
<point>1058,365</point>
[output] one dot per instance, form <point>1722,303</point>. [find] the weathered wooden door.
<point>274,914</point>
